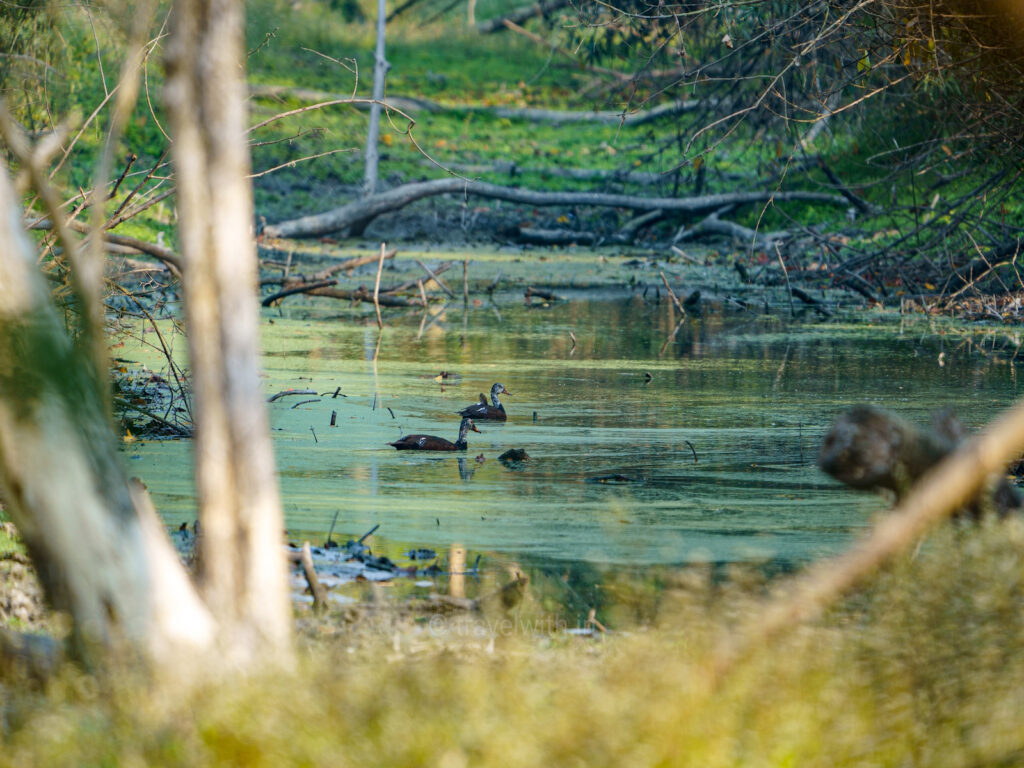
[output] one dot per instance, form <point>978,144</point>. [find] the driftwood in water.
<point>871,449</point>
<point>358,212</point>
<point>553,236</point>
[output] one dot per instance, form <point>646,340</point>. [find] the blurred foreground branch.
<point>948,487</point>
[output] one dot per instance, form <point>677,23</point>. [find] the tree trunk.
<point>98,547</point>
<point>242,566</point>
<point>380,71</point>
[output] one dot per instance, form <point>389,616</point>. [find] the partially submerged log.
<point>871,449</point>
<point>358,212</point>
<point>533,236</point>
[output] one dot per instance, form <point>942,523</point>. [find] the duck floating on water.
<point>431,443</point>
<point>482,410</point>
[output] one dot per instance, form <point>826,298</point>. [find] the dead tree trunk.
<point>98,547</point>
<point>380,71</point>
<point>242,566</point>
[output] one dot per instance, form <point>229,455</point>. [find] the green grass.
<point>445,62</point>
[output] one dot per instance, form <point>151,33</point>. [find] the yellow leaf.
<point>929,286</point>
<point>129,437</point>
<point>387,140</point>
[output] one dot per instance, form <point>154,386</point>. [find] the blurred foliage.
<point>924,667</point>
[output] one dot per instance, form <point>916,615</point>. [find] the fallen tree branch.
<point>166,255</point>
<point>520,15</point>
<point>435,278</point>
<point>713,225</point>
<point>810,301</point>
<point>361,294</point>
<point>350,264</point>
<point>410,284</point>
<point>529,114</point>
<point>23,654</point>
<point>297,288</point>
<point>370,207</point>
<point>178,428</point>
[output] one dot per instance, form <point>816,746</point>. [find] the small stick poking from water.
<point>314,435</point>
<point>303,402</point>
<point>334,418</point>
<point>675,299</point>
<point>330,533</point>
<point>572,338</point>
<point>465,282</point>
<point>692,449</point>
<point>494,283</point>
<point>436,279</point>
<point>376,285</point>
<point>391,412</point>
<point>369,533</point>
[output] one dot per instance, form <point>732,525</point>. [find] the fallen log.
<point>520,15</point>
<point>367,208</point>
<point>361,294</point>
<point>533,236</point>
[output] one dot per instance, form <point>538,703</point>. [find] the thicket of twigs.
<point>923,101</point>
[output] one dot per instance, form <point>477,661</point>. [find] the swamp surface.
<point>652,442</point>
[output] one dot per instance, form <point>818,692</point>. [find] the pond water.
<point>716,448</point>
